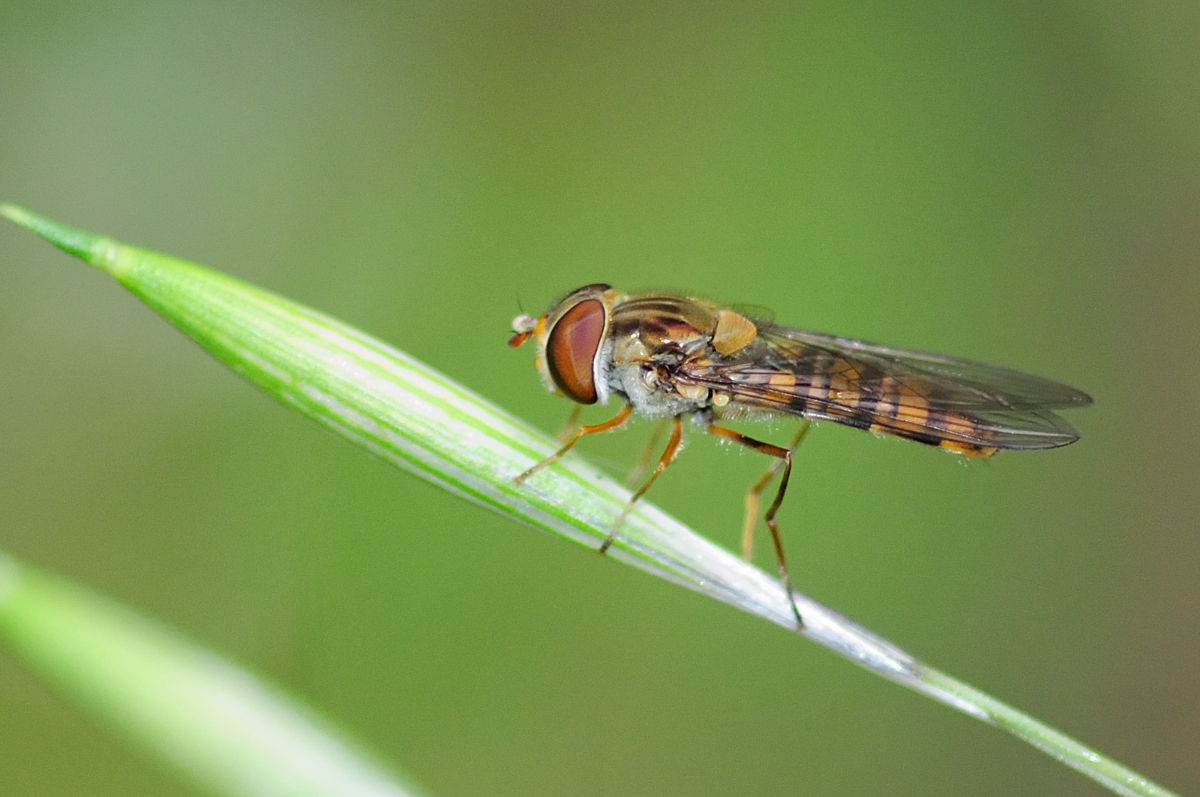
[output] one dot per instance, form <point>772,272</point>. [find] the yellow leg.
<point>752,496</point>
<point>582,431</point>
<point>663,461</point>
<point>644,459</point>
<point>784,456</point>
<point>570,424</point>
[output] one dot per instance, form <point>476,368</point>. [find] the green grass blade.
<point>422,421</point>
<point>224,728</point>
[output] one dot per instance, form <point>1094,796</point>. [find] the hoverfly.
<point>667,356</point>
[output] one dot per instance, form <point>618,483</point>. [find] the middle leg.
<point>663,461</point>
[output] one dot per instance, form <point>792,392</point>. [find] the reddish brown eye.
<point>571,350</point>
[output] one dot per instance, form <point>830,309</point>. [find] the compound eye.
<point>571,350</point>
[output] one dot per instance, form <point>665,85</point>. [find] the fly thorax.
<point>650,389</point>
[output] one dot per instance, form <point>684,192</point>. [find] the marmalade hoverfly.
<point>667,356</point>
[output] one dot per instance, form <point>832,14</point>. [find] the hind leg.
<point>784,455</point>
<point>755,492</point>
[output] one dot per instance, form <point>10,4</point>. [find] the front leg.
<point>613,423</point>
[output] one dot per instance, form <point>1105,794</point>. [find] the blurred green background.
<point>1018,183</point>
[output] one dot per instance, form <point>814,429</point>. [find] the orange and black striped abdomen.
<point>820,385</point>
<point>885,404</point>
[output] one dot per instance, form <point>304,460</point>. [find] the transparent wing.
<point>967,406</point>
<point>961,383</point>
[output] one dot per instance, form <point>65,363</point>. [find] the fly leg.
<point>785,456</point>
<point>668,454</point>
<point>752,496</point>
<point>570,424</point>
<point>613,423</point>
<point>644,459</point>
